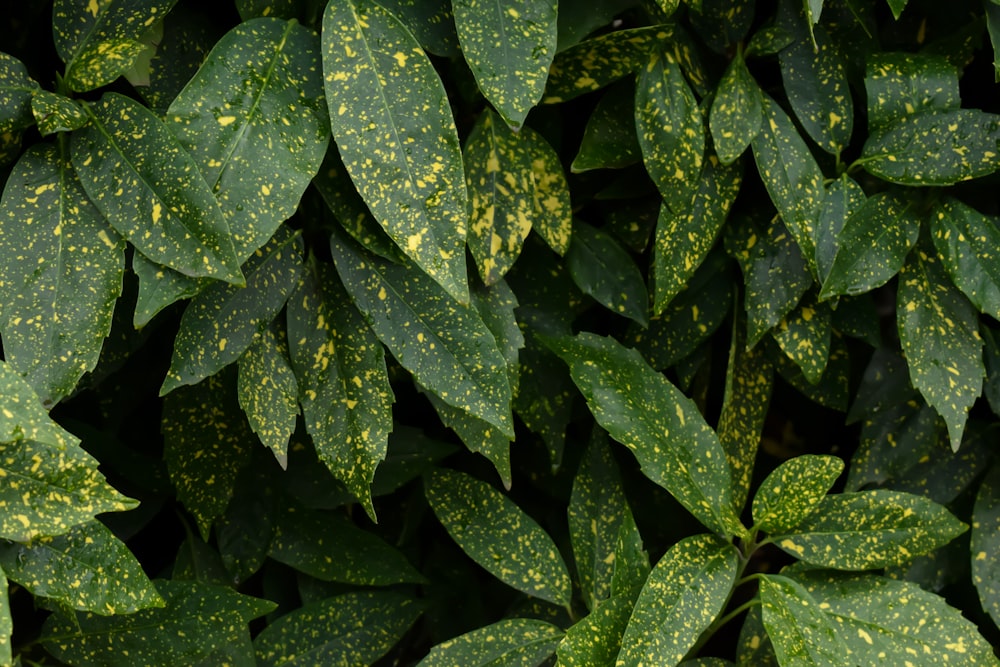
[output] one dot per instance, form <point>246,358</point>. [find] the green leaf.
<point>939,333</point>
<point>498,176</point>
<point>250,9</point>
<point>642,410</point>
<point>343,383</point>
<point>87,569</point>
<point>897,7</point>
<point>161,204</point>
<point>804,336</point>
<point>509,48</point>
<point>735,118</point>
<point>23,417</point>
<point>596,638</point>
<point>609,140</point>
<point>201,624</point>
<point>498,535</point>
<point>99,41</point>
<point>392,123</point>
<point>593,64</point>
<point>268,391</point>
<point>206,441</point>
<point>796,625</point>
<point>843,198</point>
<point>816,84</point>
<point>721,24</point>
<point>6,622</point>
<point>986,543</point>
<point>331,548</point>
<point>683,594</point>
<point>685,236</point>
<point>670,129</point>
<point>631,566</point>
<point>62,291</point>
<point>430,21</point>
<point>224,320</point>
<point>793,490</point>
<point>604,270</point>
<point>17,90</point>
<point>792,177</point>
<point>445,345</point>
<point>900,85</point>
<point>553,213</point>
<point>870,529</point>
<point>512,642</point>
<point>755,646</point>
<point>966,240</point>
<point>924,627</point>
<point>56,113</point>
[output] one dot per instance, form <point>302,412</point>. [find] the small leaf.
<point>596,638</point>
<point>478,436</point>
<point>683,594</point>
<point>512,642</point>
<point>869,530</point>
<point>509,48</point>
<point>796,625</point>
<point>498,535</point>
<point>965,240</point>
<point>24,417</point>
<point>804,336</point>
<point>390,117</point>
<point>609,140</point>
<point>601,268</point>
<point>899,85</point>
<point>6,622</point>
<point>430,21</point>
<point>631,566</point>
<point>843,199</point>
<point>663,428</point>
<point>755,646</point>
<point>17,90</point>
<point>939,333</point>
<point>793,490</point>
<point>56,113</point>
<point>553,214</point>
<point>87,569</point>
<point>986,543</point>
<point>735,119</point>
<point>268,391</point>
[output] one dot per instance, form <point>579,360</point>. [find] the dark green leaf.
<point>870,529</point>
<point>392,123</point>
<point>755,646</point>
<point>198,561</point>
<point>23,417</point>
<point>61,268</point>
<point>986,543</point>
<point>721,23</point>
<point>268,391</point>
<point>641,409</point>
<point>631,566</point>
<point>735,119</point>
<point>595,640</point>
<point>609,140</point>
<point>939,333</point>
<point>56,113</point>
<point>512,642</point>
<point>683,594</point>
<point>804,336</point>
<point>17,90</point>
<point>966,241</point>
<point>900,85</point>
<point>843,199</point>
<point>992,11</point>
<point>250,9</point>
<point>479,436</point>
<point>553,213</point>
<point>6,622</point>
<point>246,529</point>
<point>793,490</point>
<point>544,399</point>
<point>87,569</point>
<point>796,625</point>
<point>509,50</point>
<point>430,21</point>
<point>188,36</point>
<point>604,270</point>
<point>498,535</point>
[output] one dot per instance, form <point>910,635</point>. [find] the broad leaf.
<point>870,529</point>
<point>793,490</point>
<point>804,336</point>
<point>899,85</point>
<point>56,113</point>
<point>430,21</point>
<point>512,642</point>
<point>269,392</point>
<point>87,569</point>
<point>796,625</point>
<point>966,240</point>
<point>986,543</point>
<point>683,594</point>
<point>816,85</point>
<point>17,89</point>
<point>61,294</point>
<point>609,140</point>
<point>149,189</point>
<point>641,409</point>
<point>596,638</point>
<point>553,214</point>
<point>735,118</point>
<point>390,117</point>
<point>498,535</point>
<point>939,333</point>
<point>843,199</point>
<point>604,270</point>
<point>509,48</point>
<point>754,646</point>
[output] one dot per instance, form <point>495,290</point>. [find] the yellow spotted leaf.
<point>553,211</point>
<point>735,118</point>
<point>512,641</point>
<point>967,242</point>
<point>986,543</point>
<point>800,632</point>
<point>56,113</point>
<point>793,490</point>
<point>596,639</point>
<point>268,391</point>
<point>17,90</point>
<point>6,621</point>
<point>804,335</point>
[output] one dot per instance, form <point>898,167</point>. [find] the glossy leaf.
<point>601,268</point>
<point>609,140</point>
<point>631,566</point>
<point>342,379</point>
<point>596,638</point>
<point>498,535</point>
<point>843,199</point>
<point>509,48</point>
<point>164,207</point>
<point>683,594</point>
<point>17,89</point>
<point>431,22</point>
<point>966,242</point>
<point>56,113</point>
<point>905,84</point>
<point>87,569</point>
<point>796,625</point>
<point>641,409</point>
<point>870,529</point>
<point>735,118</point>
<point>400,145</point>
<point>755,646</point>
<point>478,436</point>
<point>986,543</point>
<point>804,335</point>
<point>512,642</point>
<point>553,213</point>
<point>24,417</point>
<point>98,42</point>
<point>6,622</point>
<point>224,320</point>
<point>446,346</point>
<point>268,391</point>
<point>939,334</point>
<point>793,490</point>
<point>61,266</point>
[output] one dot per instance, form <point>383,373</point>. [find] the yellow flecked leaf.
<point>512,641</point>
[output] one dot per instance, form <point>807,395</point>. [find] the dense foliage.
<point>691,313</point>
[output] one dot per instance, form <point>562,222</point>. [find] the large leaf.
<point>269,392</point>
<point>509,48</point>
<point>843,199</point>
<point>641,409</point>
<point>939,333</point>
<point>61,294</point>
<point>682,596</point>
<point>986,543</point>
<point>392,123</point>
<point>342,379</point>
<point>796,625</point>
<point>99,41</point>
<point>816,84</point>
<point>149,189</point>
<point>445,345</point>
<point>735,118</point>
<point>793,490</point>
<point>601,268</point>
<point>498,535</point>
<point>512,642</point>
<point>87,569</point>
<point>966,241</point>
<point>870,529</point>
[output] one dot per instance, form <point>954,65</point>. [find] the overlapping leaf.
<point>511,642</point>
<point>390,117</point>
<point>6,622</point>
<point>804,336</point>
<point>56,113</point>
<point>596,638</point>
<point>609,140</point>
<point>966,241</point>
<point>843,199</point>
<point>796,625</point>
<point>601,268</point>
<point>17,89</point>
<point>792,490</point>
<point>553,213</point>
<point>268,391</point>
<point>905,84</point>
<point>986,543</point>
<point>735,118</point>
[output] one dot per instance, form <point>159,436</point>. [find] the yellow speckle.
<point>381,294</point>
<point>264,190</point>
<point>157,209</point>
<point>226,120</point>
<point>513,13</point>
<point>103,235</point>
<point>864,635</point>
<point>400,58</point>
<point>222,344</point>
<point>93,8</point>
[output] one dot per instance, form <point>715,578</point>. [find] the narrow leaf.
<point>796,625</point>
<point>843,199</point>
<point>6,622</point>
<point>986,543</point>
<point>966,241</point>
<point>804,336</point>
<point>735,118</point>
<point>631,566</point>
<point>512,642</point>
<point>596,638</point>
<point>553,214</point>
<point>793,490</point>
<point>601,268</point>
<point>268,391</point>
<point>609,140</point>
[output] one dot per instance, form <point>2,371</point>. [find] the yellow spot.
<point>222,344</point>
<point>792,546</point>
<point>23,519</point>
<point>93,8</point>
<point>381,294</point>
<point>513,13</point>
<point>226,120</point>
<point>103,235</point>
<point>864,635</point>
<point>264,190</point>
<point>834,119</point>
<point>157,209</point>
<point>400,58</point>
